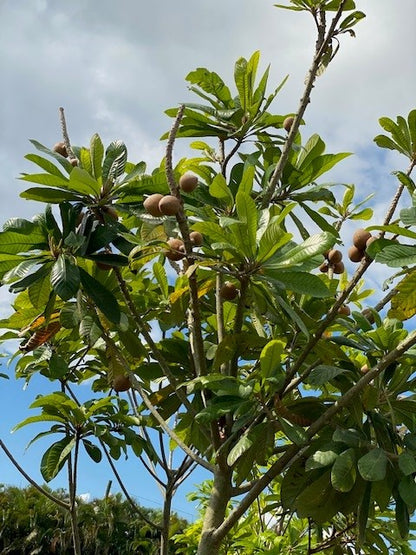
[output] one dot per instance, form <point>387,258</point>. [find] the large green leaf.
<point>212,84</point>
<point>52,195</point>
<point>220,190</point>
<point>247,214</point>
<point>273,238</point>
<point>300,282</point>
<point>114,161</point>
<point>242,445</point>
<point>270,363</point>
<point>315,244</point>
<point>103,298</point>
<point>55,456</point>
<point>46,165</point>
<point>96,156</point>
<point>14,243</point>
<point>80,181</point>
<point>65,278</point>
<point>323,374</point>
<point>47,179</point>
<point>325,456</point>
<point>372,466</point>
<point>343,472</point>
<point>397,256</point>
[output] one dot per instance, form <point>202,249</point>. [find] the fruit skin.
<point>228,291</point>
<point>344,309</point>
<point>287,123</point>
<point>196,238</point>
<point>360,238</point>
<point>73,162</point>
<point>339,268</point>
<point>169,205</point>
<point>176,249</point>
<point>334,256</point>
<point>324,267</point>
<point>151,204</point>
<point>354,254</point>
<point>188,182</point>
<point>60,148</point>
<point>121,383</point>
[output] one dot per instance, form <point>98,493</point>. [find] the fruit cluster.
<point>360,241</point>
<point>333,261</point>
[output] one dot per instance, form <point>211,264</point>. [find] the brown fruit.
<point>287,123</point>
<point>196,238</point>
<point>368,314</point>
<point>339,268</point>
<point>151,204</point>
<point>169,205</point>
<point>188,182</point>
<point>121,383</point>
<point>334,256</point>
<point>228,291</point>
<point>176,249</point>
<point>60,148</point>
<point>344,309</point>
<point>364,369</point>
<point>360,238</point>
<point>324,267</point>
<point>354,254</point>
<point>73,162</point>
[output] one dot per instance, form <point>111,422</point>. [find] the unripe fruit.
<point>176,249</point>
<point>188,182</point>
<point>339,268</point>
<point>324,267</point>
<point>169,205</point>
<point>354,254</point>
<point>196,238</point>
<point>287,123</point>
<point>151,204</point>
<point>228,291</point>
<point>334,256</point>
<point>121,383</point>
<point>344,310</point>
<point>60,148</point>
<point>360,238</point>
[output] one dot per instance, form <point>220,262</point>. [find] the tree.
<point>262,374</point>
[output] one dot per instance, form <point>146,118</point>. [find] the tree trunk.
<point>215,513</point>
<point>167,505</point>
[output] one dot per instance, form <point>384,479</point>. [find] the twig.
<point>31,481</point>
<point>65,133</point>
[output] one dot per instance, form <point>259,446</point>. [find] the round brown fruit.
<point>169,205</point>
<point>344,310</point>
<point>354,254</point>
<point>364,369</point>
<point>188,182</point>
<point>339,268</point>
<point>196,238</point>
<point>324,267</point>
<point>60,148</point>
<point>334,256</point>
<point>360,238</point>
<point>151,204</point>
<point>176,249</point>
<point>368,314</point>
<point>228,291</point>
<point>121,383</point>
<point>287,123</point>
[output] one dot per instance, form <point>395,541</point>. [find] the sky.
<point>116,66</point>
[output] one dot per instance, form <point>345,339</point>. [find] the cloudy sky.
<point>116,66</point>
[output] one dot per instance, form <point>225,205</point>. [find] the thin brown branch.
<point>321,46</point>
<point>32,481</point>
<point>65,135</point>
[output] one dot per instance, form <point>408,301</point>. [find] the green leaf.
<point>243,444</point>
<point>363,512</point>
<point>372,466</point>
<point>53,196</point>
<point>301,282</point>
<point>80,181</point>
<point>407,464</point>
<point>242,84</point>
<point>160,274</point>
<point>247,214</point>
<point>212,84</point>
<point>323,374</point>
<point>54,458</point>
<point>39,418</point>
<point>46,165</point>
<point>61,159</point>
<point>397,256</point>
<point>296,434</point>
<point>65,277</point>
<point>46,179</point>
<point>92,450</point>
<point>96,156</point>
<point>402,517</point>
<point>219,189</point>
<point>343,472</point>
<point>58,367</point>
<point>114,161</point>
<point>102,297</point>
<point>273,238</point>
<point>270,358</point>
<point>321,458</point>
<point>315,244</point>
